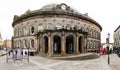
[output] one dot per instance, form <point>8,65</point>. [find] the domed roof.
<point>58,7</point>
<point>53,9</point>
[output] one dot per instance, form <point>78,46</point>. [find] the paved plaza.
<point>43,63</point>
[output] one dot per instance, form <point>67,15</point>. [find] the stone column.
<point>63,48</point>
<point>76,51</point>
<point>52,46</point>
<point>50,49</point>
<point>41,45</point>
<point>85,44</point>
<point>38,44</point>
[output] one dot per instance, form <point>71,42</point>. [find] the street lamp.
<point>108,48</point>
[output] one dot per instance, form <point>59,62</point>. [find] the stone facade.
<point>7,43</point>
<point>117,37</point>
<point>56,29</point>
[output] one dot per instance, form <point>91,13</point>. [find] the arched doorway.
<point>46,44</point>
<point>56,45</point>
<point>80,44</point>
<point>70,44</point>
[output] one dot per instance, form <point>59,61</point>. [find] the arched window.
<point>98,35</point>
<point>25,31</point>
<point>20,32</point>
<point>25,44</point>
<point>87,30</point>
<point>82,29</point>
<point>58,26</point>
<point>50,26</point>
<point>32,30</point>
<point>75,27</point>
<point>91,33</point>
<point>68,27</point>
<point>88,44</point>
<point>94,44</point>
<point>94,33</point>
<point>40,27</point>
<point>32,43</point>
<point>97,44</point>
<point>15,32</point>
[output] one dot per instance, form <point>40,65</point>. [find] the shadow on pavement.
<point>77,57</point>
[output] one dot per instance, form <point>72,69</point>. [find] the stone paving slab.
<point>114,61</point>
<point>42,63</point>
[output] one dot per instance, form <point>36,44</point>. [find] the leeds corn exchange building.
<point>56,29</point>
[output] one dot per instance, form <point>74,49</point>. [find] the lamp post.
<point>108,48</point>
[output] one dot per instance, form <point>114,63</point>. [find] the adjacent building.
<point>104,45</point>
<point>116,37</point>
<point>1,42</point>
<point>7,43</point>
<point>56,29</point>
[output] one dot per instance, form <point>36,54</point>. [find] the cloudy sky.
<point>105,12</point>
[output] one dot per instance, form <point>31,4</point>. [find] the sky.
<point>105,12</point>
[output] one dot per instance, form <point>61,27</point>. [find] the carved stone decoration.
<point>68,8</point>
<point>28,11</point>
<point>15,17</point>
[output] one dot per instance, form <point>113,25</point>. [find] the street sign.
<point>25,54</point>
<point>17,54</point>
<point>9,54</point>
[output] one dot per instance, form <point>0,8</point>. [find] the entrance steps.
<point>85,56</point>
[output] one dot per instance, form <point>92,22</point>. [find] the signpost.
<point>9,54</point>
<point>107,41</point>
<point>17,54</point>
<point>25,54</point>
